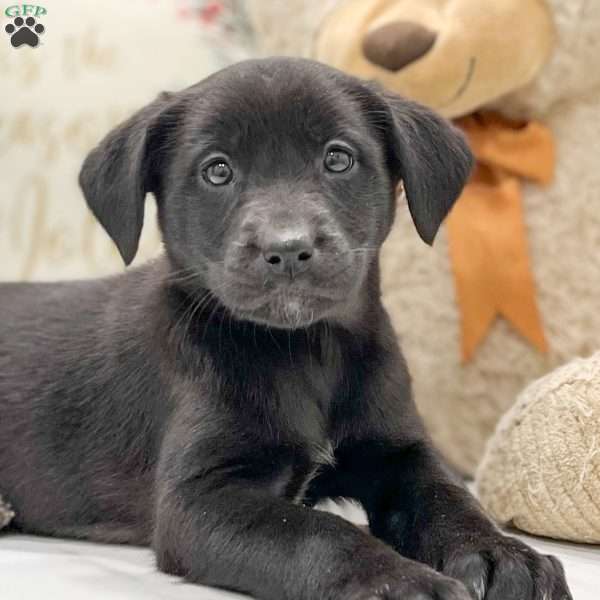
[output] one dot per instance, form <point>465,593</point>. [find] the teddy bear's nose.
<point>395,45</point>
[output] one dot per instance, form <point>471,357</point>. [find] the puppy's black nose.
<point>288,255</point>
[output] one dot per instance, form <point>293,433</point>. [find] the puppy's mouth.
<point>283,302</point>
<point>289,293</point>
<point>291,306</point>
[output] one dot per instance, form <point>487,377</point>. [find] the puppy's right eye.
<point>338,160</point>
<point>218,173</point>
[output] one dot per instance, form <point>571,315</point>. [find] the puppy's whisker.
<point>184,279</point>
<point>230,330</point>
<point>366,249</point>
<point>180,271</point>
<point>272,337</point>
<point>197,304</point>
<point>341,272</point>
<point>210,317</point>
<point>182,275</point>
<point>189,310</point>
<point>290,348</point>
<point>223,313</point>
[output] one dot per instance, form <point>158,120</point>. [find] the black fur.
<point>203,402</point>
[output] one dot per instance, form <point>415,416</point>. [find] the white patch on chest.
<point>322,456</point>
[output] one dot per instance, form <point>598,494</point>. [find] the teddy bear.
<point>510,288</point>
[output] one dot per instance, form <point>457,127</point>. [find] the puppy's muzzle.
<point>284,244</point>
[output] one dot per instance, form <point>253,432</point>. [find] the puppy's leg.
<point>251,542</point>
<point>418,507</point>
<point>105,533</point>
<point>219,527</point>
<point>414,505</point>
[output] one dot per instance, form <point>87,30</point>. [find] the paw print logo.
<point>24,31</point>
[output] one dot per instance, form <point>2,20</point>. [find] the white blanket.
<point>35,568</point>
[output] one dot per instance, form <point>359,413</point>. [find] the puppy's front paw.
<point>503,568</point>
<point>408,584</point>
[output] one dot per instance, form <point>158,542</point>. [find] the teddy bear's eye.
<point>338,160</point>
<point>218,172</point>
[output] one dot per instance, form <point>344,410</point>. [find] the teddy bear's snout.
<point>395,45</point>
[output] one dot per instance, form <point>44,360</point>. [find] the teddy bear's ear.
<point>430,156</point>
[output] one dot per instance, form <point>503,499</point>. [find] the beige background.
<point>98,62</point>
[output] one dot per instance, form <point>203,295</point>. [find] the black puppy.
<point>203,402</point>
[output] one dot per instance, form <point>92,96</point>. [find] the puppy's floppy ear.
<point>430,156</point>
<point>119,172</point>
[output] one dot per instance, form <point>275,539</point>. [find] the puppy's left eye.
<point>218,173</point>
<point>338,160</point>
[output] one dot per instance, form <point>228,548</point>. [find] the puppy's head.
<point>275,181</point>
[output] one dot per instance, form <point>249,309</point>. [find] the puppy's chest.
<point>283,396</point>
<point>293,423</point>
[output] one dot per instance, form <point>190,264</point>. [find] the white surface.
<point>36,568</point>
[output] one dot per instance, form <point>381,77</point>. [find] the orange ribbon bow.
<point>488,245</point>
